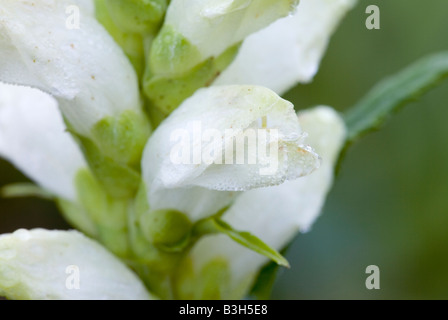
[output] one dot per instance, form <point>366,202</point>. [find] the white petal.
<point>289,50</point>
<point>63,265</point>
<point>213,26</point>
<point>87,5</point>
<point>227,114</point>
<point>276,214</point>
<point>41,46</point>
<point>33,137</point>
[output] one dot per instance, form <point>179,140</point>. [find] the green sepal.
<point>153,265</point>
<point>120,181</point>
<point>138,16</point>
<point>107,213</point>
<point>172,54</point>
<point>166,93</point>
<point>246,239</point>
<point>122,138</point>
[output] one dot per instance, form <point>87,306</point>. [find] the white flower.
<point>36,265</point>
<point>288,51</point>
<point>238,108</point>
<point>34,138</point>
<point>82,68</point>
<point>274,214</point>
<point>92,80</point>
<point>206,28</point>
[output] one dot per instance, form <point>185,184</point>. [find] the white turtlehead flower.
<point>192,154</point>
<point>83,68</point>
<point>206,28</point>
<point>214,25</point>
<point>63,265</point>
<point>289,50</point>
<point>276,214</point>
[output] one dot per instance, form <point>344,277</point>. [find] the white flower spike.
<point>288,51</point>
<point>276,214</point>
<point>218,111</point>
<point>32,135</point>
<point>83,68</point>
<point>226,149</point>
<point>63,265</point>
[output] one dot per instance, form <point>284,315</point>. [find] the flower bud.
<point>165,228</point>
<point>195,35</point>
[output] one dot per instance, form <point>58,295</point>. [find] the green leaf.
<point>393,93</point>
<point>246,239</point>
<point>18,190</point>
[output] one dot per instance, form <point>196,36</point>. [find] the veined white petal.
<point>289,50</point>
<point>58,46</point>
<point>33,137</point>
<point>214,141</point>
<point>213,26</point>
<point>276,214</point>
<point>63,265</point>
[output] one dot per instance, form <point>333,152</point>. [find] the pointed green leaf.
<point>246,239</point>
<point>393,93</point>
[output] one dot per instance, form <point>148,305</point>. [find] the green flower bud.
<point>168,229</point>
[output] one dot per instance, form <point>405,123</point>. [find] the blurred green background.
<point>389,205</point>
